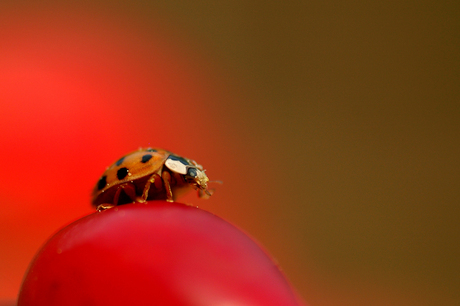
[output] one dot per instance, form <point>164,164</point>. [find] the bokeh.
<point>333,125</point>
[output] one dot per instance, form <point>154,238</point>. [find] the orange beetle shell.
<point>136,169</point>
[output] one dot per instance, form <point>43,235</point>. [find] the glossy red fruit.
<point>157,253</point>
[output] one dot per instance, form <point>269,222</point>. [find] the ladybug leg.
<point>104,206</point>
<point>166,176</point>
<point>205,194</point>
<point>129,189</point>
<point>155,179</point>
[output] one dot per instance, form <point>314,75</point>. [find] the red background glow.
<point>77,91</point>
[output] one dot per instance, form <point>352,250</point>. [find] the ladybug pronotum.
<point>148,174</point>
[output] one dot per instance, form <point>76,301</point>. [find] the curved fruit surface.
<point>157,253</point>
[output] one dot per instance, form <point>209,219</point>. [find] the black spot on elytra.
<point>122,173</point>
<point>146,158</point>
<point>118,163</point>
<point>102,183</point>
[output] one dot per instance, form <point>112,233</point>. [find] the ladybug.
<point>148,174</point>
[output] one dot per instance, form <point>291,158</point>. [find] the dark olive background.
<point>334,126</point>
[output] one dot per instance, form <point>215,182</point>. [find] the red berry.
<point>157,253</point>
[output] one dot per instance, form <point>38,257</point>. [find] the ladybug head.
<point>192,172</point>
<point>198,178</point>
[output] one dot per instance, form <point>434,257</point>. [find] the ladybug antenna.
<point>218,182</point>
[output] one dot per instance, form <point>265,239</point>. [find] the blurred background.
<point>334,126</point>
